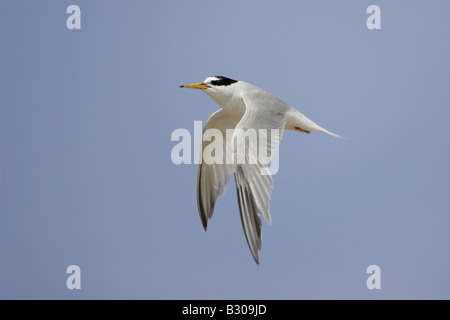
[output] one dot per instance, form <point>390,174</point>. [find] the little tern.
<point>244,106</point>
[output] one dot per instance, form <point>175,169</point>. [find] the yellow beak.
<point>196,86</point>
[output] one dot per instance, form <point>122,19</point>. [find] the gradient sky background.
<point>86,175</point>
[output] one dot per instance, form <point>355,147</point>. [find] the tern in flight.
<point>244,107</point>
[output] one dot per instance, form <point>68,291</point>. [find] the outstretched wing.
<point>265,114</point>
<point>213,177</point>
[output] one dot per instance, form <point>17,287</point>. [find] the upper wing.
<point>264,113</point>
<point>213,177</point>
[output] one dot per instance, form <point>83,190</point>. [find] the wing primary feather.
<point>200,202</point>
<point>251,222</point>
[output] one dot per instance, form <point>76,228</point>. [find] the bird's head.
<point>220,89</point>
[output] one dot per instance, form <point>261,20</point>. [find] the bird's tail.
<point>297,121</point>
<point>330,133</point>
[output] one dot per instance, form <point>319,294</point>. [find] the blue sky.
<point>86,176</point>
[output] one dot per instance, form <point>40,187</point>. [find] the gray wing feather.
<point>212,178</point>
<point>254,189</point>
<point>251,222</point>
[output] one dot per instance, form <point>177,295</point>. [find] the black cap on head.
<point>222,81</point>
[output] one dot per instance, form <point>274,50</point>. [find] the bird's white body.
<point>245,106</point>
<point>230,98</point>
